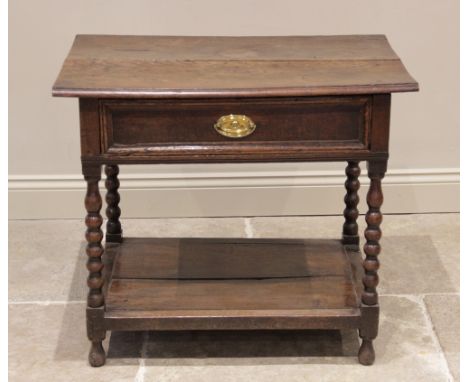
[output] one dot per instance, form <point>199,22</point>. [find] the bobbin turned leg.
<point>351,199</point>
<point>94,250</point>
<point>113,227</point>
<point>369,297</point>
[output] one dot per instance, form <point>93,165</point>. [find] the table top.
<point>178,66</point>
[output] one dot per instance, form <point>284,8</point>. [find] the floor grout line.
<point>141,372</point>
<point>435,337</point>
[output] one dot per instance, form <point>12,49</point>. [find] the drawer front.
<point>293,127</point>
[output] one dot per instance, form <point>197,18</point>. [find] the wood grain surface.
<point>167,258</point>
<point>167,66</point>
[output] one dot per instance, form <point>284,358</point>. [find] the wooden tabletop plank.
<point>162,66</point>
<point>172,48</point>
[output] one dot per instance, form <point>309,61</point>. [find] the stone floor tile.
<point>193,227</point>
<point>448,247</point>
<point>45,258</point>
<point>422,224</point>
<point>444,311</point>
<point>444,233</point>
<point>413,265</point>
<point>48,343</point>
<point>325,227</point>
<point>406,349</point>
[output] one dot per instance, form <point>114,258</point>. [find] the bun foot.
<point>366,353</point>
<point>97,356</point>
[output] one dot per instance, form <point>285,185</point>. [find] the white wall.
<point>44,166</point>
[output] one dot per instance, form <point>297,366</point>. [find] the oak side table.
<point>161,99</point>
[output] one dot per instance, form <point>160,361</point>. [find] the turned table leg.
<point>351,199</point>
<point>113,227</point>
<point>369,297</point>
<point>94,250</point>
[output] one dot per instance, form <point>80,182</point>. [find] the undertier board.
<point>190,284</point>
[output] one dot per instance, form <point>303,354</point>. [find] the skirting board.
<point>235,194</point>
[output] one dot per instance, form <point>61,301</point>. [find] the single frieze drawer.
<point>162,127</point>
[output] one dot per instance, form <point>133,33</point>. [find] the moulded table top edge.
<point>245,92</point>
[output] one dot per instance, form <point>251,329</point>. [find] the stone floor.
<point>419,330</point>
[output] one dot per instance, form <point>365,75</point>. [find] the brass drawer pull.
<point>235,126</point>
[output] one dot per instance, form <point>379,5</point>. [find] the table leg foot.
<point>97,355</point>
<point>366,354</point>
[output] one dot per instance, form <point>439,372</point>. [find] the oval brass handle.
<point>234,126</point>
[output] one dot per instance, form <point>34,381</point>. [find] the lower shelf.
<point>190,284</point>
